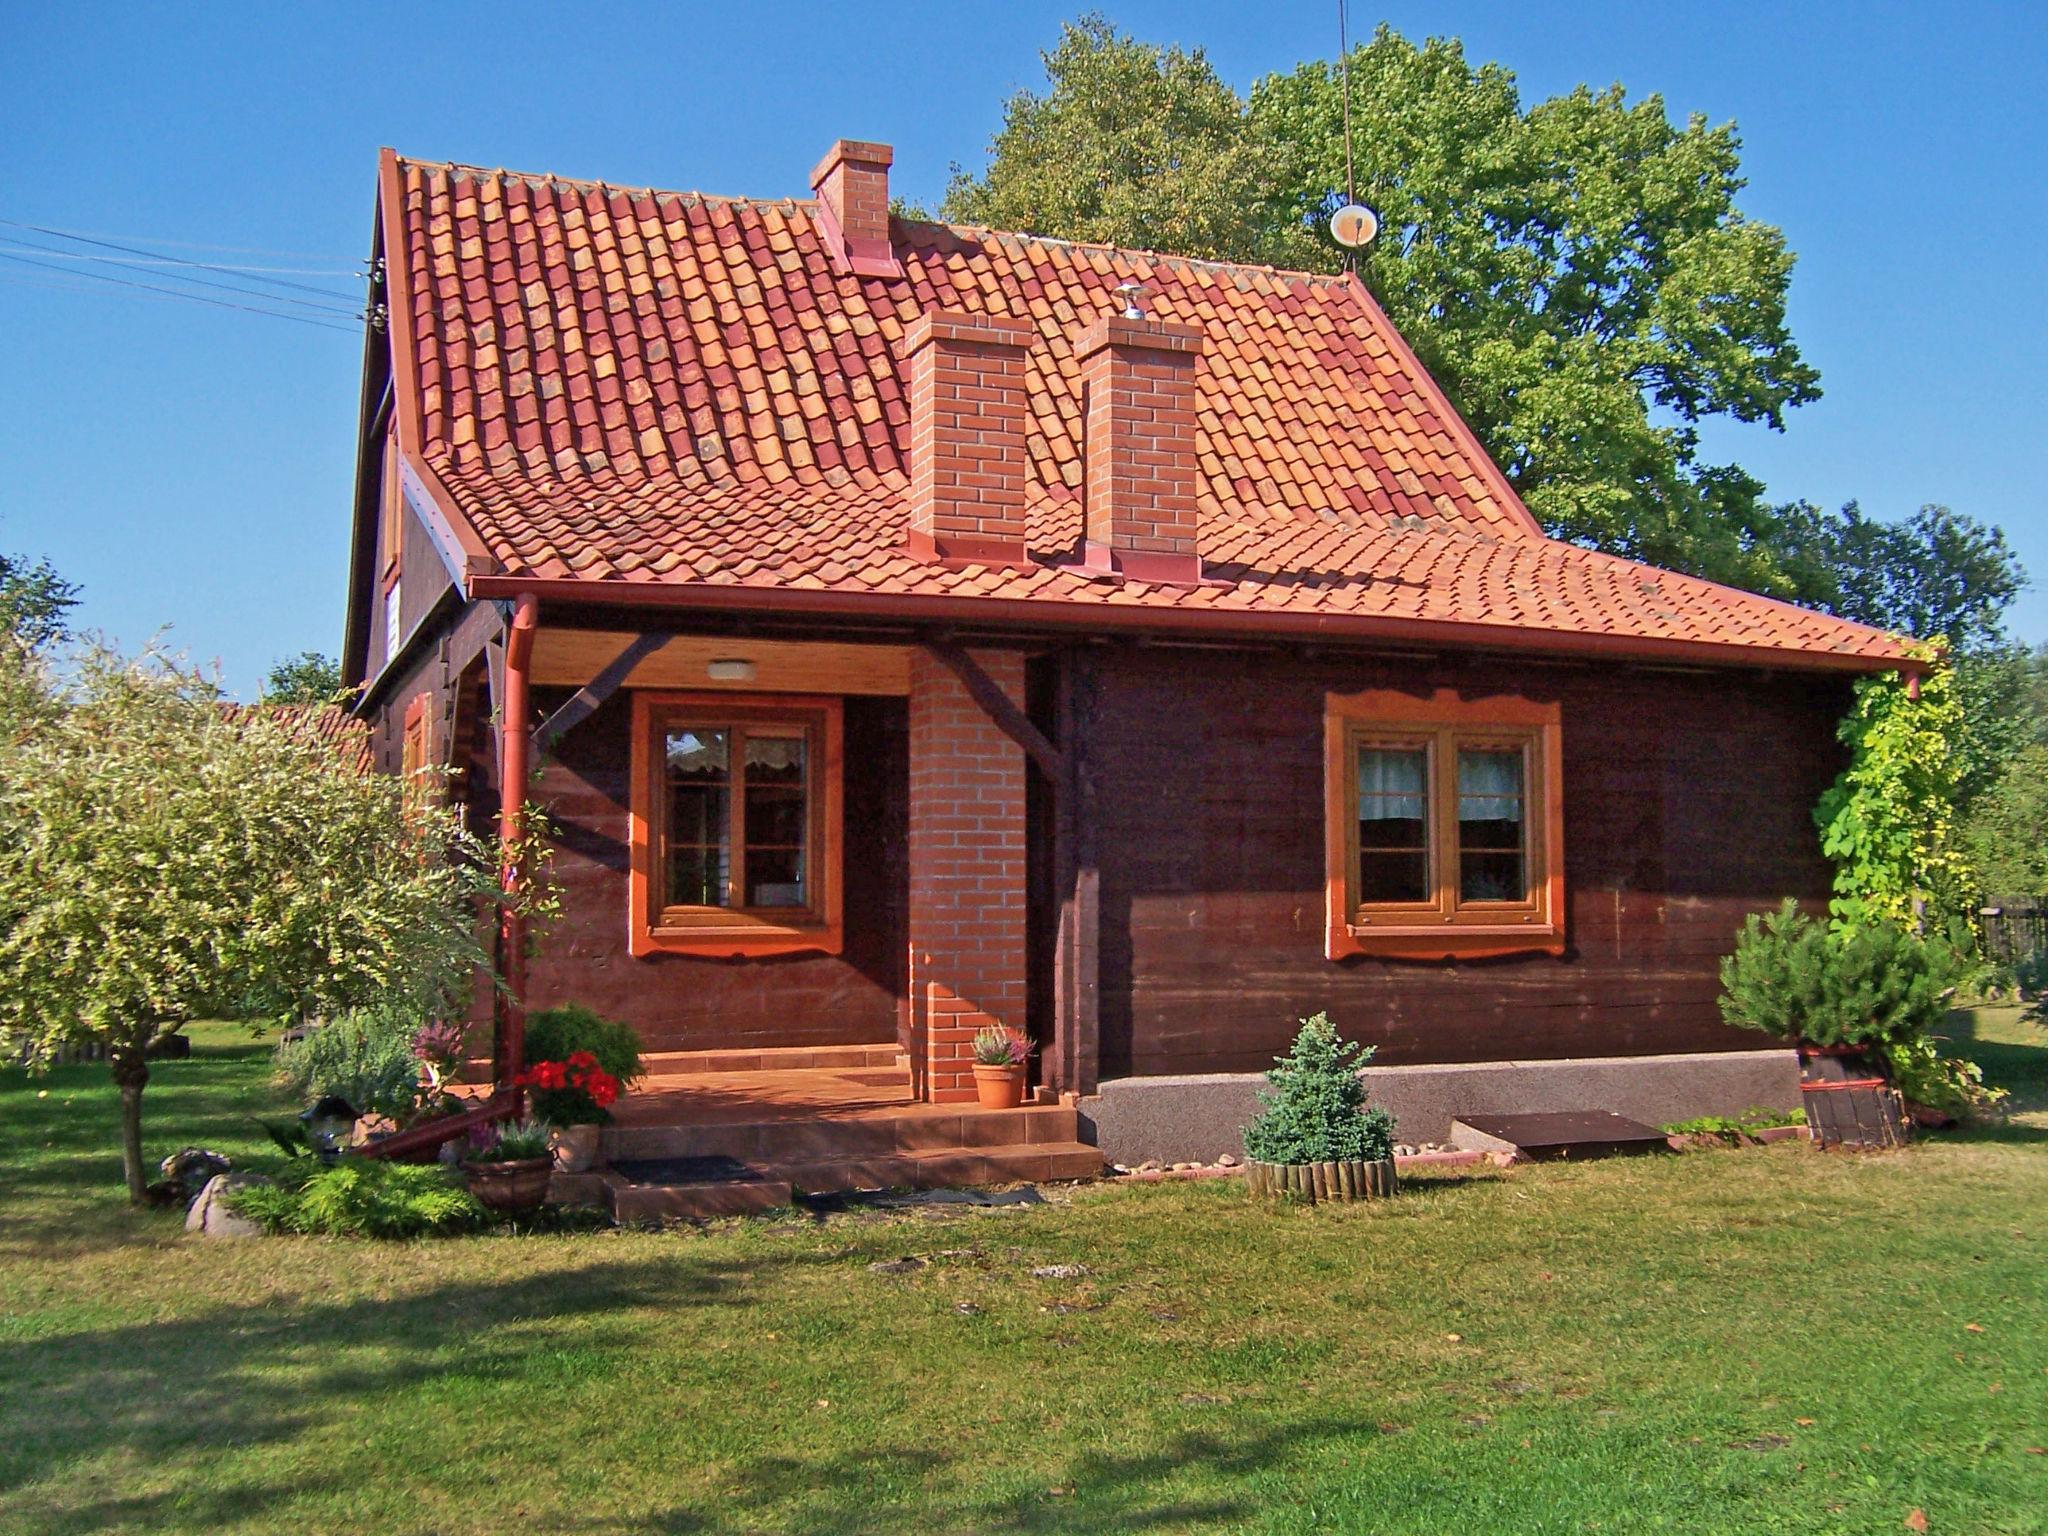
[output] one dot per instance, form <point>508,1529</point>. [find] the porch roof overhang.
<point>1039,617</point>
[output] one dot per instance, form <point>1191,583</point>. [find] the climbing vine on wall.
<point>1889,821</point>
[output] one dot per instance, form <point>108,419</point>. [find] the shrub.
<point>1948,1084</point>
<point>573,1092</point>
<point>996,1046</point>
<point>511,1142</point>
<point>362,1197</point>
<point>556,1034</point>
<point>1316,1110</point>
<point>1808,983</point>
<point>1735,1127</point>
<point>364,1056</point>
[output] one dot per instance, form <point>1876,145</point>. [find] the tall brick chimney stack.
<point>967,437</point>
<point>852,184</point>
<point>1139,490</point>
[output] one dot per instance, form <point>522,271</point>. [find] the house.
<point>912,627</point>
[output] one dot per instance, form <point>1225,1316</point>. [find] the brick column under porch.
<point>966,873</point>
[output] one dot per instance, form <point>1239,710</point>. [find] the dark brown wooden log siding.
<point>1688,800</point>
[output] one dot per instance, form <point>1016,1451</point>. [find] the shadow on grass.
<point>1096,1491</point>
<point>189,1397</point>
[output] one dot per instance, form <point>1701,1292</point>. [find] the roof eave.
<point>1041,614</point>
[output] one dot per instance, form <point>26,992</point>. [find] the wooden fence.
<point>2014,927</point>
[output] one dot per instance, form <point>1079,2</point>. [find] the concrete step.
<point>695,1201</point>
<point>1558,1134</point>
<point>823,1137</point>
<point>660,1063</point>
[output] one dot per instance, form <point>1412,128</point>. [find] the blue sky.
<point>191,466</point>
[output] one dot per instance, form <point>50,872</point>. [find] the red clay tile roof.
<point>683,398</point>
<point>330,723</point>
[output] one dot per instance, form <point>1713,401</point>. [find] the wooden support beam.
<point>1077,1045</point>
<point>584,702</point>
<point>1008,715</point>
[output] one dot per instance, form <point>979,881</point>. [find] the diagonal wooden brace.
<point>1001,709</point>
<point>584,702</point>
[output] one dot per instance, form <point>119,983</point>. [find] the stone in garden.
<point>1151,1165</point>
<point>1226,1161</point>
<point>192,1168</point>
<point>210,1215</point>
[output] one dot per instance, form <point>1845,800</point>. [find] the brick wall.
<point>966,925</point>
<point>1140,446</point>
<point>967,437</point>
<point>852,185</point>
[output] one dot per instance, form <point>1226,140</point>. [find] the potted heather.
<point>508,1165</point>
<point>582,1062</point>
<point>1314,1136</point>
<point>999,1060</point>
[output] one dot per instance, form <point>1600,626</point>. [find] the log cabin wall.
<point>1687,804</point>
<point>689,1002</point>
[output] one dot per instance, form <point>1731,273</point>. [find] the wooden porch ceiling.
<point>574,657</point>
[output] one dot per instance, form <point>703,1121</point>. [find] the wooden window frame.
<point>416,753</point>
<point>1444,926</point>
<point>725,931</point>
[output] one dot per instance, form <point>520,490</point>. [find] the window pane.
<point>778,820</point>
<point>1393,824</point>
<point>1491,865</point>
<point>699,851</point>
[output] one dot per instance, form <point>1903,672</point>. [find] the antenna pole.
<point>1350,181</point>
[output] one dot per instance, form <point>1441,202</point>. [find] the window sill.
<point>738,941</point>
<point>1443,941</point>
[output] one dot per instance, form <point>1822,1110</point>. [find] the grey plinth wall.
<point>1198,1119</point>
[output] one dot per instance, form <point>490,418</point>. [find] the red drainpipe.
<point>515,740</point>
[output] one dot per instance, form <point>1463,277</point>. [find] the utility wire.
<point>174,261</point>
<point>130,250</point>
<point>335,304</point>
<point>177,293</point>
<point>180,245</point>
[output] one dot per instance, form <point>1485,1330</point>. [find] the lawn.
<point>1770,1340</point>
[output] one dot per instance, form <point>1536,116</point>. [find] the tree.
<point>1936,576</point>
<point>307,678</point>
<point>34,602</point>
<point>1131,145</point>
<point>1576,274</point>
<point>2002,832</point>
<point>167,861</point>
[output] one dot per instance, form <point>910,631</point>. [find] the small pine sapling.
<point>1315,1111</point>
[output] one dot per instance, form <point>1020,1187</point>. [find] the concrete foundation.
<point>1198,1119</point>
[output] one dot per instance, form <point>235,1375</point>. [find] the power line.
<point>172,261</point>
<point>179,245</point>
<point>329,306</point>
<point>205,266</point>
<point>175,293</point>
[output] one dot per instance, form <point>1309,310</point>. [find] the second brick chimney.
<point>1139,489</point>
<point>967,437</point>
<point>852,184</point>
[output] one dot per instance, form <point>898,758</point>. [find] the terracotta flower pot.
<point>511,1187</point>
<point>999,1087</point>
<point>576,1147</point>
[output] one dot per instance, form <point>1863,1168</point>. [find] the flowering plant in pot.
<point>582,1063</point>
<point>1314,1136</point>
<point>999,1061</point>
<point>508,1165</point>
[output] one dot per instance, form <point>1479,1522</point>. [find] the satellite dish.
<point>1354,225</point>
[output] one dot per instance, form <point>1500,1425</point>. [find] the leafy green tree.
<point>1576,273</point>
<point>2005,831</point>
<point>1131,145</point>
<point>307,678</point>
<point>165,862</point>
<point>34,602</point>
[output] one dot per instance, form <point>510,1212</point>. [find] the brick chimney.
<point>967,437</point>
<point>852,184</point>
<point>1139,490</point>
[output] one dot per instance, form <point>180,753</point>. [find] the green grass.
<point>1753,1341</point>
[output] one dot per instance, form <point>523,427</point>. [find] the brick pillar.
<point>1139,491</point>
<point>966,873</point>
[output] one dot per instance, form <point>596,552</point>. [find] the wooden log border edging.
<point>1316,1182</point>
